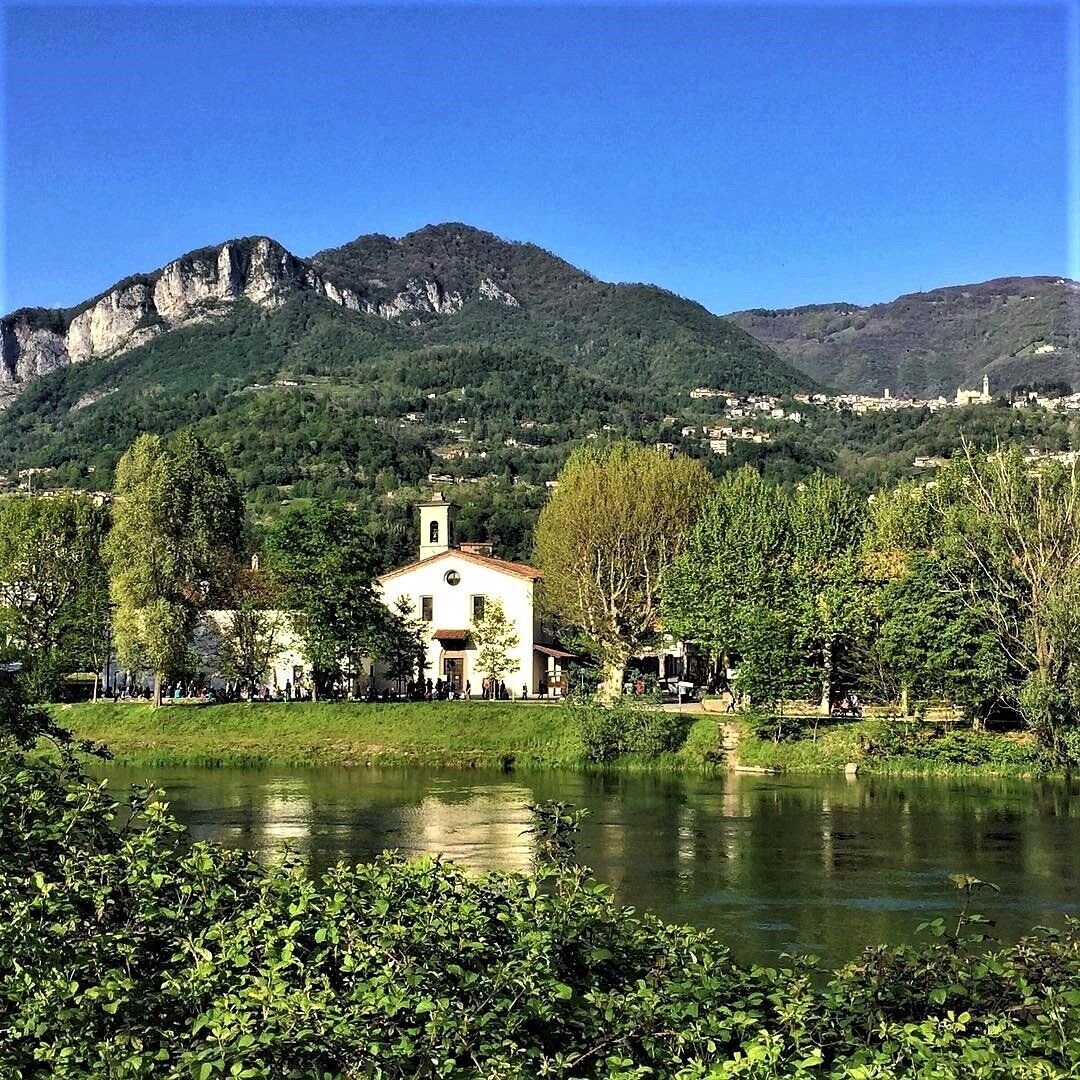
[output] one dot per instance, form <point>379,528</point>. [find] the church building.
<point>449,587</point>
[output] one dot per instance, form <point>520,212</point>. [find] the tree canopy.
<point>619,516</point>
<point>177,522</point>
<point>325,562</point>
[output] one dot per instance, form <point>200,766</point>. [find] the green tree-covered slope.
<point>1018,330</point>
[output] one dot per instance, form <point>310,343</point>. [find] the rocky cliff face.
<point>194,288</point>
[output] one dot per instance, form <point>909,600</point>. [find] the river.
<point>772,863</point>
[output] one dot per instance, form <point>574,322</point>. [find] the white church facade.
<point>450,586</point>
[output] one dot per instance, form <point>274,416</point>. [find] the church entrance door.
<point>454,669</point>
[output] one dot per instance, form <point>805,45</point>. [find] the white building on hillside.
<point>449,587</point>
<point>975,397</point>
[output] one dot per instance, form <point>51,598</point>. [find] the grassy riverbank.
<point>457,734</point>
<point>890,747</point>
<point>324,733</point>
<point>519,735</point>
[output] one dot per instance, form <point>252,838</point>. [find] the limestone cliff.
<point>197,287</point>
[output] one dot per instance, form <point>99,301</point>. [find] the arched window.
<point>433,532</point>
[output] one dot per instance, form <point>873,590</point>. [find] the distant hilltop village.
<point>771,407</point>
<point>862,403</point>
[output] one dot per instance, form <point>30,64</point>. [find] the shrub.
<point>628,727</point>
<point>772,727</point>
<point>598,729</point>
<point>895,738</point>
<point>133,953</point>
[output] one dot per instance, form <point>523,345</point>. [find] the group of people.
<point>495,690</point>
<point>427,690</point>
<point>421,690</point>
<point>849,705</point>
<point>202,690</point>
<point>448,690</point>
<point>129,690</point>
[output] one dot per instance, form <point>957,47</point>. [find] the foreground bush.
<point>630,726</point>
<point>127,951</point>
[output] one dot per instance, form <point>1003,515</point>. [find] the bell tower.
<point>436,526</point>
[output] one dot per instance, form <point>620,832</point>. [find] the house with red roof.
<point>450,585</point>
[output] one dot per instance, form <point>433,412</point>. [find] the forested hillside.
<point>1020,331</point>
<point>450,358</point>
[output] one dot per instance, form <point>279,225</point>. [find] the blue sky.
<point>742,156</point>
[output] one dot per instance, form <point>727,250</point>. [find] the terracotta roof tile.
<point>507,567</point>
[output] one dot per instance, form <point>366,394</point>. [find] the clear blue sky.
<point>741,156</point>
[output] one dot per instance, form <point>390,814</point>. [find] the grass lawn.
<point>311,733</point>
<point>468,734</point>
<point>461,734</point>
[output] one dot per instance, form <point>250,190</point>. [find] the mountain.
<point>1019,331</point>
<point>375,371</point>
<point>369,373</point>
<point>443,284</point>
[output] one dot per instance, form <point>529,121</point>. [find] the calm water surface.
<point>773,864</point>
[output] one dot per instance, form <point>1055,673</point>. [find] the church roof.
<point>515,569</point>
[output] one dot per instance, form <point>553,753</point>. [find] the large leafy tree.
<point>326,563</point>
<point>772,666</point>
<point>619,516</point>
<point>53,606</point>
<point>929,643</point>
<point>830,593</point>
<point>177,524</point>
<point>1015,530</point>
<point>734,564</point>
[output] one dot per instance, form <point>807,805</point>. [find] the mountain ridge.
<point>1016,330</point>
<point>426,275</point>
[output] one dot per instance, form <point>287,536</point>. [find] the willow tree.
<point>177,524</point>
<point>1016,524</point>
<point>618,517</point>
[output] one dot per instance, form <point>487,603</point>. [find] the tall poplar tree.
<point>830,592</point>
<point>177,523</point>
<point>735,563</point>
<point>619,516</point>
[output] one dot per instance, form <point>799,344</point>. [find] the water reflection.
<point>772,863</point>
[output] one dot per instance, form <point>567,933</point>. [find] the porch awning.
<point>554,650</point>
<point>456,637</point>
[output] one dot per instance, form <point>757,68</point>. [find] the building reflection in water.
<point>485,832</point>
<point>770,862</point>
<point>265,817</point>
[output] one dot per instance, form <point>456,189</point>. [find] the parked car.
<point>680,691</point>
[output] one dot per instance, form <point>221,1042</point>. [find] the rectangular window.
<point>425,608</point>
<point>477,608</point>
